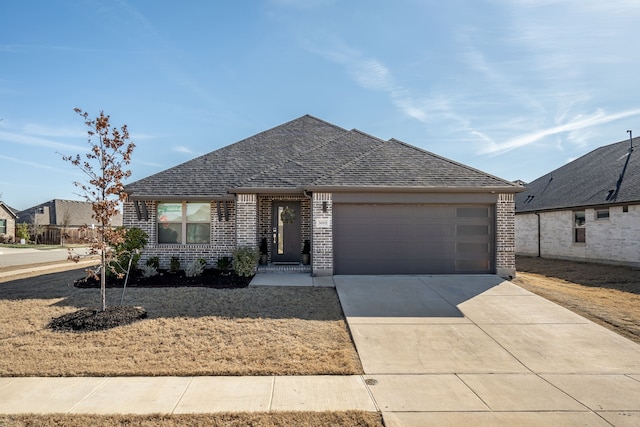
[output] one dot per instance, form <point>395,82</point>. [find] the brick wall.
<point>505,236</point>
<point>322,235</point>
<point>222,237</point>
<point>247,220</point>
<point>615,240</point>
<point>10,221</point>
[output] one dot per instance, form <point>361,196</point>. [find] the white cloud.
<point>578,123</point>
<point>22,139</point>
<point>31,164</point>
<point>182,149</point>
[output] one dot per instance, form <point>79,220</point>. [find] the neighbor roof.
<point>606,176</point>
<point>311,154</point>
<point>8,208</point>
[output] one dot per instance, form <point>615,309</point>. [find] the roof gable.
<point>307,153</point>
<point>590,180</point>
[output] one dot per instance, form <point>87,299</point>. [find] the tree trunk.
<point>103,281</point>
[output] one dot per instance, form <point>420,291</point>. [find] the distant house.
<point>365,205</point>
<point>588,209</point>
<point>7,223</point>
<point>58,220</point>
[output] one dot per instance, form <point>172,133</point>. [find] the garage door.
<point>412,239</point>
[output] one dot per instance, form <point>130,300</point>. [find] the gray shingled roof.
<point>306,153</point>
<point>590,180</point>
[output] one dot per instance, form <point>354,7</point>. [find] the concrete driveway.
<point>478,350</point>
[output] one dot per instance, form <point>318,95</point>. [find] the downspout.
<point>539,235</point>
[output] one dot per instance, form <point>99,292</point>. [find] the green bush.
<point>135,239</point>
<point>195,268</point>
<point>154,262</point>
<point>22,231</point>
<point>245,260</point>
<point>174,264</point>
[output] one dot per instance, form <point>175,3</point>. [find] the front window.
<point>579,230</point>
<point>3,226</point>
<point>184,223</point>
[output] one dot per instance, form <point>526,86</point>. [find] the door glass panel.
<point>280,231</point>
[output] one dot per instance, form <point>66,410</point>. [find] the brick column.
<point>247,220</point>
<point>322,235</point>
<point>505,236</point>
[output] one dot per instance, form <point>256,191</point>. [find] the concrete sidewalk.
<point>183,395</point>
<point>478,350</point>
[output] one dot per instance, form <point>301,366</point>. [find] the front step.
<point>284,268</point>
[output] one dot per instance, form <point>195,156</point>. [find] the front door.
<point>285,242</point>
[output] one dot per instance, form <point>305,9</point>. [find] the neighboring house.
<point>367,206</point>
<point>7,223</point>
<point>60,220</point>
<point>588,209</point>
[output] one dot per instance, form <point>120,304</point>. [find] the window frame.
<point>187,233</point>
<point>579,227</point>
<point>3,225</point>
<point>606,214</point>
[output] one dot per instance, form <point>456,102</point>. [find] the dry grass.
<point>279,419</point>
<point>189,331</point>
<point>607,295</point>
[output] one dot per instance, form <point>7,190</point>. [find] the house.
<point>588,209</point>
<point>60,220</point>
<point>7,223</point>
<point>366,205</point>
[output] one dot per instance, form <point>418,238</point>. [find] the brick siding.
<point>505,236</point>
<point>615,240</point>
<point>322,236</point>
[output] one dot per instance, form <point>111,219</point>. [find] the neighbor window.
<point>602,214</point>
<point>3,226</point>
<point>184,222</point>
<point>579,231</point>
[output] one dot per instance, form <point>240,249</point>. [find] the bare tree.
<point>102,165</point>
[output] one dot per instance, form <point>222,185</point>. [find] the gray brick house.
<point>366,205</point>
<point>7,223</point>
<point>586,210</point>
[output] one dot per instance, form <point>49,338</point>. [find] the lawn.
<point>189,331</point>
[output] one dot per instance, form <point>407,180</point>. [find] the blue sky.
<point>515,88</point>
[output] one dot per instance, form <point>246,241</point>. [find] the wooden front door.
<point>285,227</point>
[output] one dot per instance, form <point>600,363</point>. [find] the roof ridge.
<point>294,156</point>
<point>453,162</point>
<point>358,158</point>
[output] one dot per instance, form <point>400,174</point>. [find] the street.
<point>14,256</point>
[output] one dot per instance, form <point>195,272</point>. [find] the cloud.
<point>22,139</point>
<point>372,74</point>
<point>24,162</point>
<point>578,123</point>
<point>182,149</point>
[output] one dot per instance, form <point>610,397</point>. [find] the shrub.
<point>22,231</point>
<point>174,264</point>
<point>148,271</point>
<point>154,262</point>
<point>245,260</point>
<point>223,263</point>
<point>5,238</point>
<point>195,268</point>
<point>135,239</point>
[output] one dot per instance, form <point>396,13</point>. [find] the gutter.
<point>374,189</point>
<point>539,235</point>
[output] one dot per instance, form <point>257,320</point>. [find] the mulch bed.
<point>88,320</point>
<point>210,278</point>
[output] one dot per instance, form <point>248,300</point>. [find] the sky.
<point>515,88</point>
